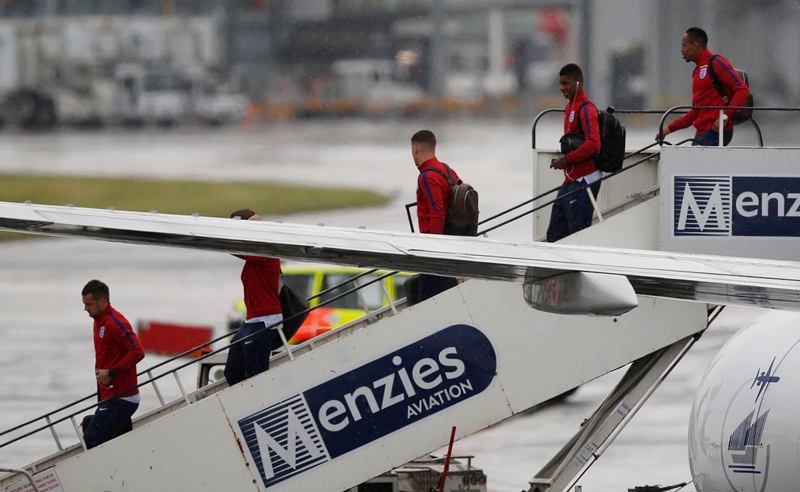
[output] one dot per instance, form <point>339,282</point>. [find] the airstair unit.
<point>358,401</point>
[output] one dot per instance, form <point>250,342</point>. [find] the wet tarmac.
<point>46,337</point>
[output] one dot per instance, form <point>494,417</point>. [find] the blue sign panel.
<point>766,206</point>
<point>368,403</point>
<point>754,206</point>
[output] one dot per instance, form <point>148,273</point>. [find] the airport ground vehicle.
<point>165,95</point>
<point>93,71</point>
<point>320,283</point>
<point>150,96</point>
<point>46,77</point>
<point>214,99</point>
<point>372,81</point>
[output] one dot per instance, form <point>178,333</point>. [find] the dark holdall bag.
<point>612,141</point>
<point>570,142</point>
<point>744,114</point>
<point>411,286</point>
<point>292,304</point>
<point>462,213</point>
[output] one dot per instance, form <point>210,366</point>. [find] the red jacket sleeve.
<point>736,90</point>
<point>684,121</point>
<point>591,133</point>
<point>125,337</point>
<point>435,194</point>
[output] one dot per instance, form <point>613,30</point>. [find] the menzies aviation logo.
<point>736,206</point>
<point>349,411</point>
<point>702,205</point>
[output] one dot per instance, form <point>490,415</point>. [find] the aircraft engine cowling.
<point>744,429</point>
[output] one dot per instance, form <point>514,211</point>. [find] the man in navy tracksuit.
<point>707,121</point>
<point>574,212</point>
<point>117,350</point>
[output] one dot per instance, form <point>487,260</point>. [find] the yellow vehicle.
<point>311,280</point>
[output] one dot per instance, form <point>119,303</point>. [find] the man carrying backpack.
<point>433,200</point>
<point>706,93</point>
<point>580,144</point>
<point>261,279</point>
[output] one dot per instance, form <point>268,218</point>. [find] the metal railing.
<point>664,115</point>
<point>547,193</point>
<point>22,472</point>
<point>566,195</point>
<point>578,190</point>
<point>561,110</point>
<point>685,109</point>
<point>550,192</point>
<point>51,419</point>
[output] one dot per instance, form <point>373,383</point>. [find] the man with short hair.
<point>573,212</point>
<point>433,199</point>
<point>704,93</point>
<point>261,277</point>
<point>117,350</point>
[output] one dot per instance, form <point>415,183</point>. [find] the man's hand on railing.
<point>724,120</point>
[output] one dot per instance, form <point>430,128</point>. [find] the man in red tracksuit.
<point>574,211</point>
<point>707,121</point>
<point>251,346</point>
<point>117,350</point>
<point>433,199</point>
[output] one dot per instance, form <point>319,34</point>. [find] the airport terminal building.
<point>466,50</point>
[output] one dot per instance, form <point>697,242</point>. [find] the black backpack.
<point>744,114</point>
<point>612,141</point>
<point>462,213</point>
<point>292,305</point>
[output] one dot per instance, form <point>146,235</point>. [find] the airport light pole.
<point>437,61</point>
<point>586,37</point>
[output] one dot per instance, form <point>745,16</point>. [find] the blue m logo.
<point>283,441</point>
<point>702,205</point>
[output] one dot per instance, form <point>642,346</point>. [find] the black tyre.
<point>45,114</point>
<point>20,108</point>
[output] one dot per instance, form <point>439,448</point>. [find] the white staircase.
<point>348,406</point>
<point>365,400</point>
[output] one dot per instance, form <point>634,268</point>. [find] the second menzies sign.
<point>730,201</point>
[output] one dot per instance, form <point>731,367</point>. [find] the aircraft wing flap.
<point>152,228</point>
<point>20,217</point>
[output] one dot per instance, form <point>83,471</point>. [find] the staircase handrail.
<point>152,379</point>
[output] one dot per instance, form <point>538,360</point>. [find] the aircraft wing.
<point>712,279</point>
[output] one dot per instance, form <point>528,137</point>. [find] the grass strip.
<point>208,198</point>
